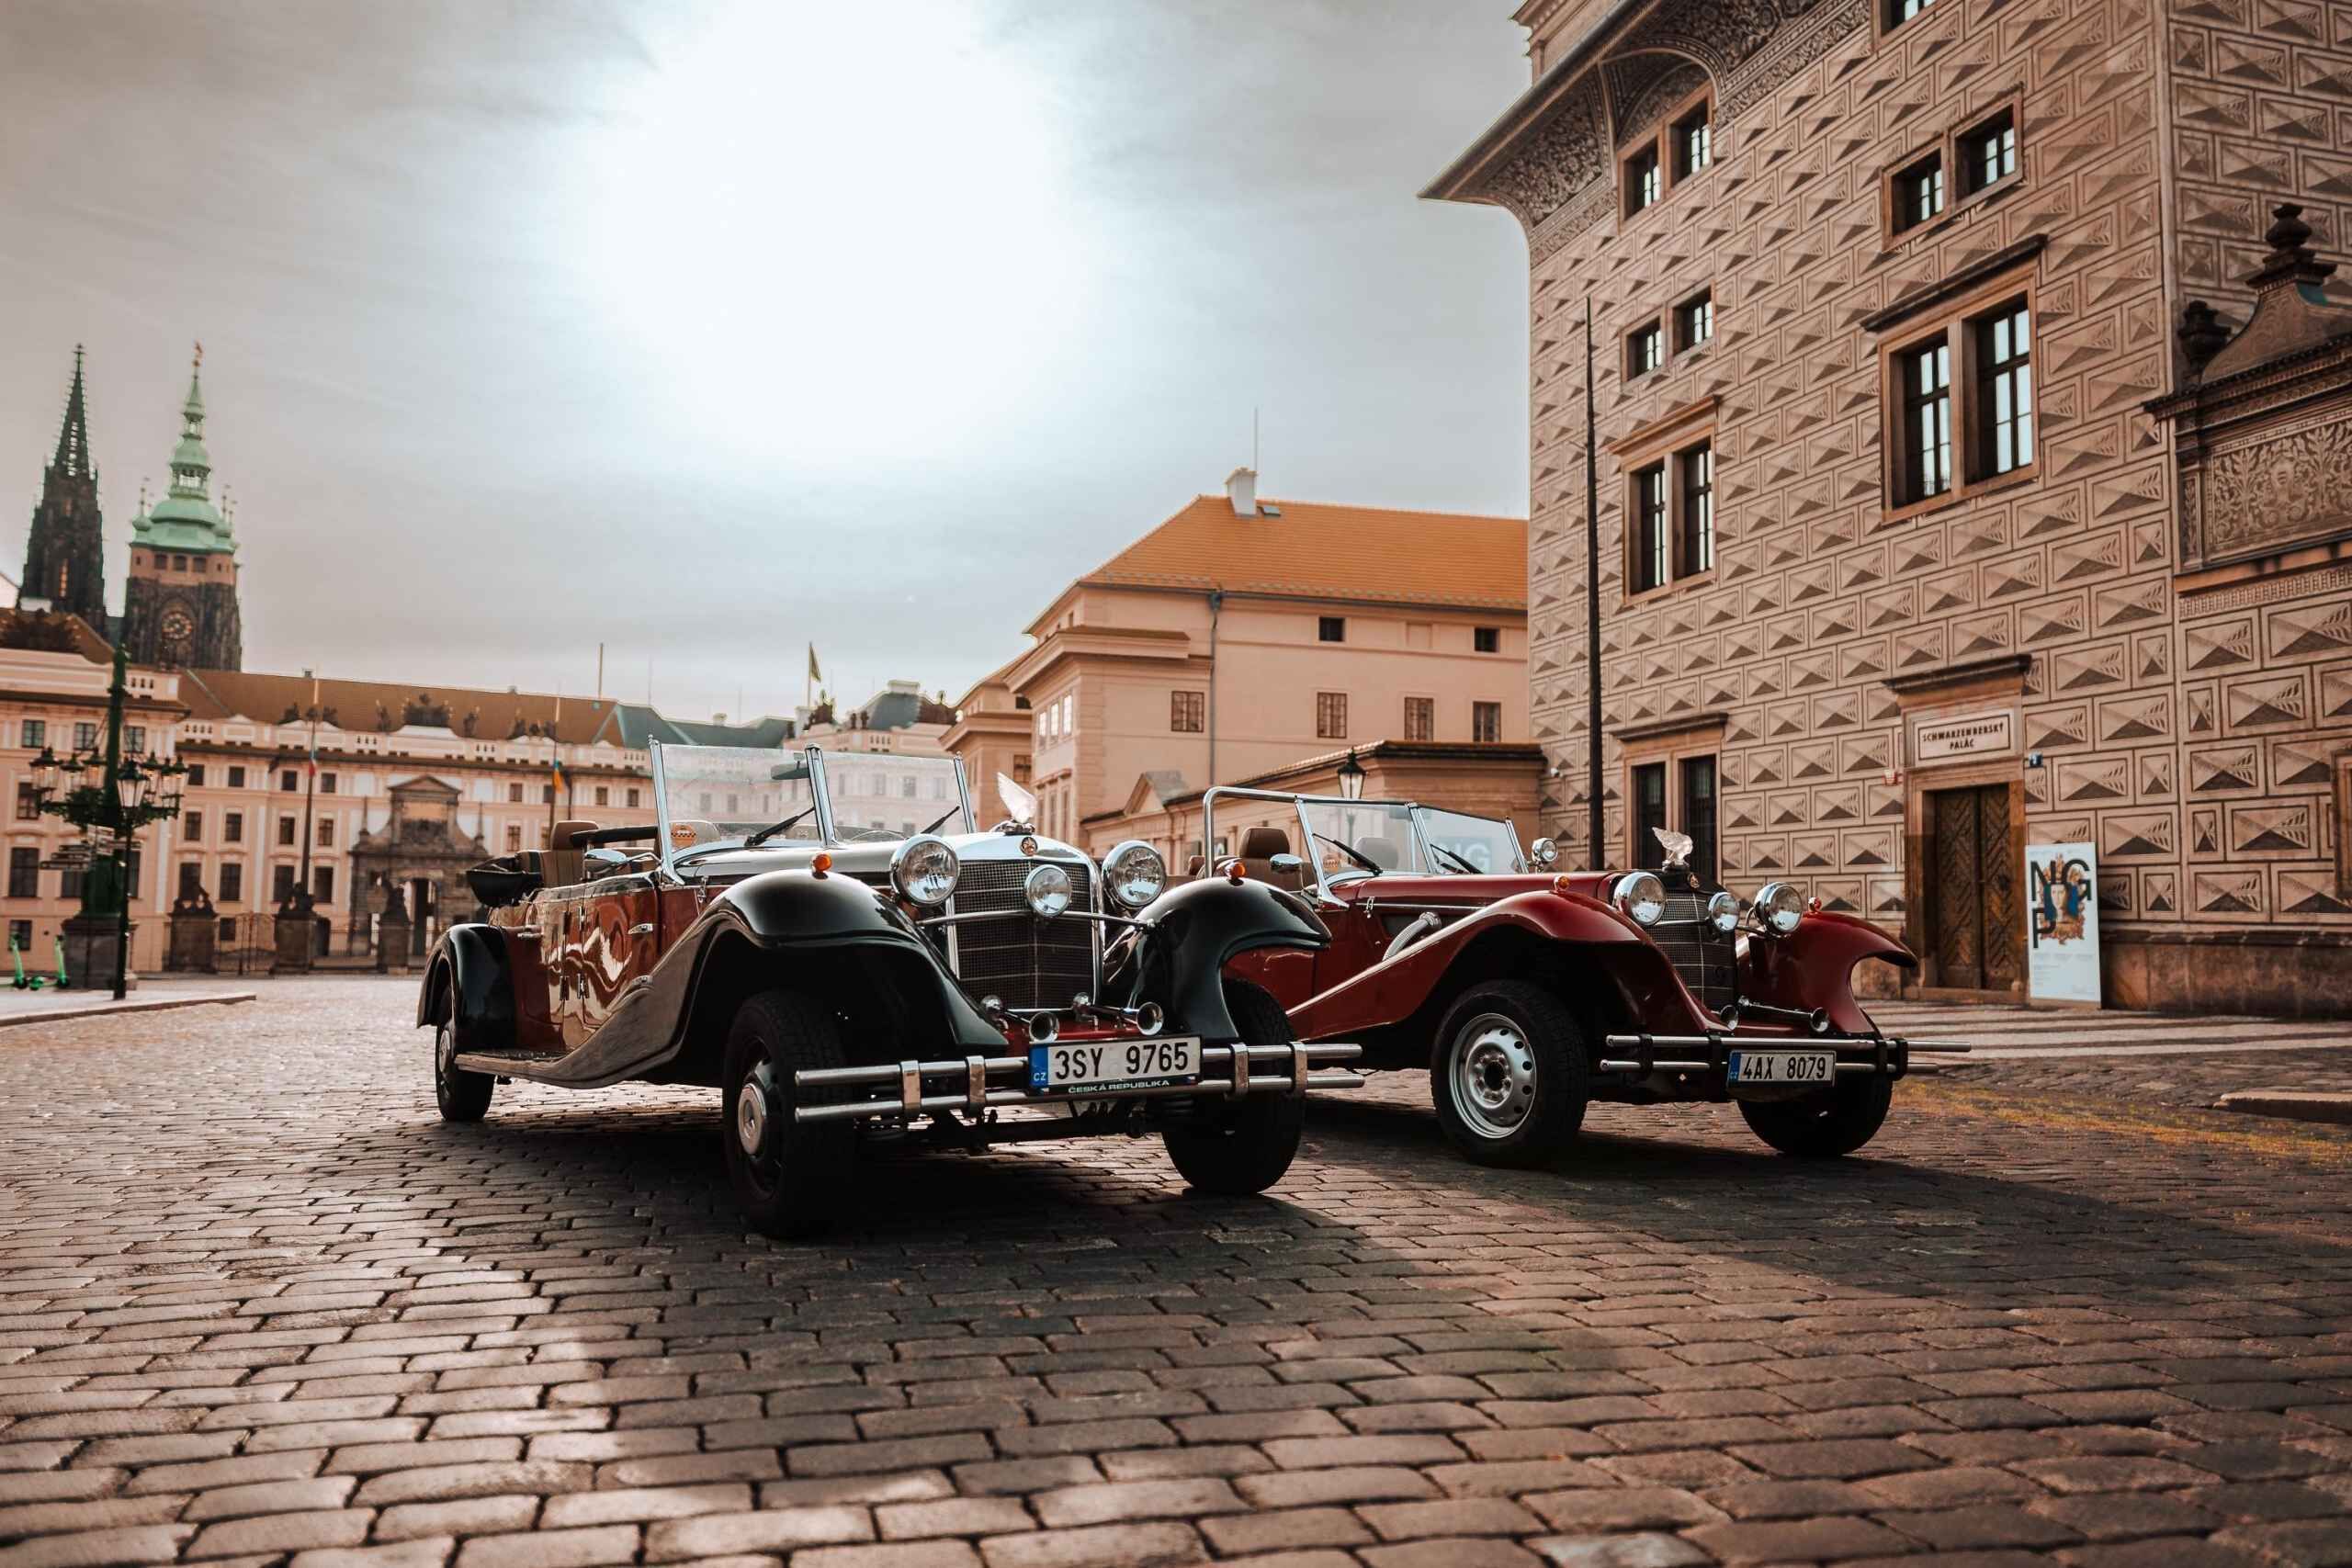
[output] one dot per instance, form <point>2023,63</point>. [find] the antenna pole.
<point>1253,438</point>
<point>1591,604</point>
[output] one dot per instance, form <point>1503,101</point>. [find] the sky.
<point>708,331</point>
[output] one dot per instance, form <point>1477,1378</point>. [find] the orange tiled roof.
<point>1316,549</point>
<point>368,704</point>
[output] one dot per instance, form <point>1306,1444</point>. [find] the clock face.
<point>178,626</point>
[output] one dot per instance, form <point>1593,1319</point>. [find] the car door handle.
<point>642,928</point>
<point>527,933</point>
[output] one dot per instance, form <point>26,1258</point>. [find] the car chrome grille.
<point>1702,955</point>
<point>1022,960</point>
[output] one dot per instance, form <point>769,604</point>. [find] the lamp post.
<point>106,791</point>
<point>1351,777</point>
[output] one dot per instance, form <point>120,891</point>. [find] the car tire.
<point>789,1178</point>
<point>1510,1074</point>
<point>463,1096</point>
<point>1240,1147</point>
<point>1823,1126</point>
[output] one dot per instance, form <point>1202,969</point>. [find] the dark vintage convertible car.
<point>828,938</point>
<point>1528,993</point>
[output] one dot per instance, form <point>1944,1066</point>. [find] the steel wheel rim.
<point>1491,1073</point>
<point>445,1052</point>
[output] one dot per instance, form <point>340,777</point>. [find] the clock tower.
<point>180,609</point>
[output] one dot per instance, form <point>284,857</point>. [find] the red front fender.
<point>1393,991</point>
<point>1812,967</point>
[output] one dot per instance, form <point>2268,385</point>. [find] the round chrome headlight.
<point>925,869</point>
<point>1135,874</point>
<point>1046,889</point>
<point>1723,913</point>
<point>1543,851</point>
<point>1641,895</point>
<point>1781,907</point>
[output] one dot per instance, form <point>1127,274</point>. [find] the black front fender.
<point>467,982</point>
<point>1191,932</point>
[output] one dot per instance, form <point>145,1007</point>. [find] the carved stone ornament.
<point>2262,427</point>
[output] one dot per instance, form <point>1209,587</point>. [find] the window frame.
<point>1656,152</point>
<point>1486,639</point>
<point>1483,710</point>
<point>1330,629</point>
<point>1953,323</point>
<point>1669,463</point>
<point>2007,118</point>
<point>1685,315</point>
<point>1427,708</point>
<point>1653,330</point>
<point>1187,712</point>
<point>1950,151</point>
<point>1334,704</point>
<point>1887,16</point>
<point>1900,220</point>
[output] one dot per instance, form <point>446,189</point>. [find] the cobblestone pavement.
<point>258,1305</point>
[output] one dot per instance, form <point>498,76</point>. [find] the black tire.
<point>462,1096</point>
<point>1823,1126</point>
<point>793,1181</point>
<point>1510,1074</point>
<point>1238,1148</point>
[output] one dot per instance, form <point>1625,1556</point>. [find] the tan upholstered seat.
<point>562,865</point>
<point>1381,852</point>
<point>1258,848</point>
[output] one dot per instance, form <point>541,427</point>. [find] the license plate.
<point>1783,1066</point>
<point>1106,1067</point>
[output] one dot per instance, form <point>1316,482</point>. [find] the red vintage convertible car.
<point>830,941</point>
<point>1528,993</point>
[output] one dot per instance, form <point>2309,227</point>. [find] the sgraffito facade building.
<point>1937,515</point>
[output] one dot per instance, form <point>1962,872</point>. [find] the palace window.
<point>1643,185</point>
<point>1486,721</point>
<point>191,880</point>
<point>1695,321</point>
<point>1699,813</point>
<point>287,830</point>
<point>1925,378</point>
<point>86,737</point>
<point>28,802</point>
<point>233,882</point>
<point>1330,715</point>
<point>282,883</point>
<point>24,872</point>
<point>290,781</point>
<point>1989,152</point>
<point>604,794</point>
<point>1649,528</point>
<point>514,837</point>
<point>236,777</point>
<point>1918,193</point>
<point>514,794</point>
<point>326,784</point>
<point>1486,639</point>
<point>195,775</point>
<point>1899,12</point>
<point>1696,541</point>
<point>2005,404</point>
<point>635,798</point>
<point>134,738</point>
<point>1331,628</point>
<point>232,827</point>
<point>1960,398</point>
<point>1694,141</point>
<point>326,832</point>
<point>1650,811</point>
<point>322,884</point>
<point>1420,718</point>
<point>1187,712</point>
<point>192,826</point>
<point>1645,349</point>
<point>20,935</point>
<point>33,733</point>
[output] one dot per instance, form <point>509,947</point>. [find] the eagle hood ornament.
<point>1677,848</point>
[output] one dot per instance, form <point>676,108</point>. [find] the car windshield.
<point>1460,843</point>
<point>721,796</point>
<point>875,796</point>
<point>1361,838</point>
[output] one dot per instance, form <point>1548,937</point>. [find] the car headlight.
<point>1781,907</point>
<point>1046,889</point>
<point>1723,913</point>
<point>1544,852</point>
<point>924,870</point>
<point>1135,874</point>
<point>1641,895</point>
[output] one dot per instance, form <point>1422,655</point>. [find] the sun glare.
<point>844,230</point>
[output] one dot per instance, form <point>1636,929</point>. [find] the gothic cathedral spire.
<point>65,555</point>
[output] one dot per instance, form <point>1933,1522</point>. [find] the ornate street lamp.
<point>45,771</point>
<point>1351,777</point>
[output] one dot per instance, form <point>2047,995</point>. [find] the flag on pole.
<point>556,765</point>
<point>814,673</point>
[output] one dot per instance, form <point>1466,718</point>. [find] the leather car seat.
<point>1381,852</point>
<point>1258,848</point>
<point>562,864</point>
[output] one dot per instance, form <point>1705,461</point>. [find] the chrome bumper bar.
<point>1874,1056</point>
<point>1227,1072</point>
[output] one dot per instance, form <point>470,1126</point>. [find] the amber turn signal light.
<point>822,863</point>
<point>1561,884</point>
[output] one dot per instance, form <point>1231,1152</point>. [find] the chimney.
<point>1241,489</point>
